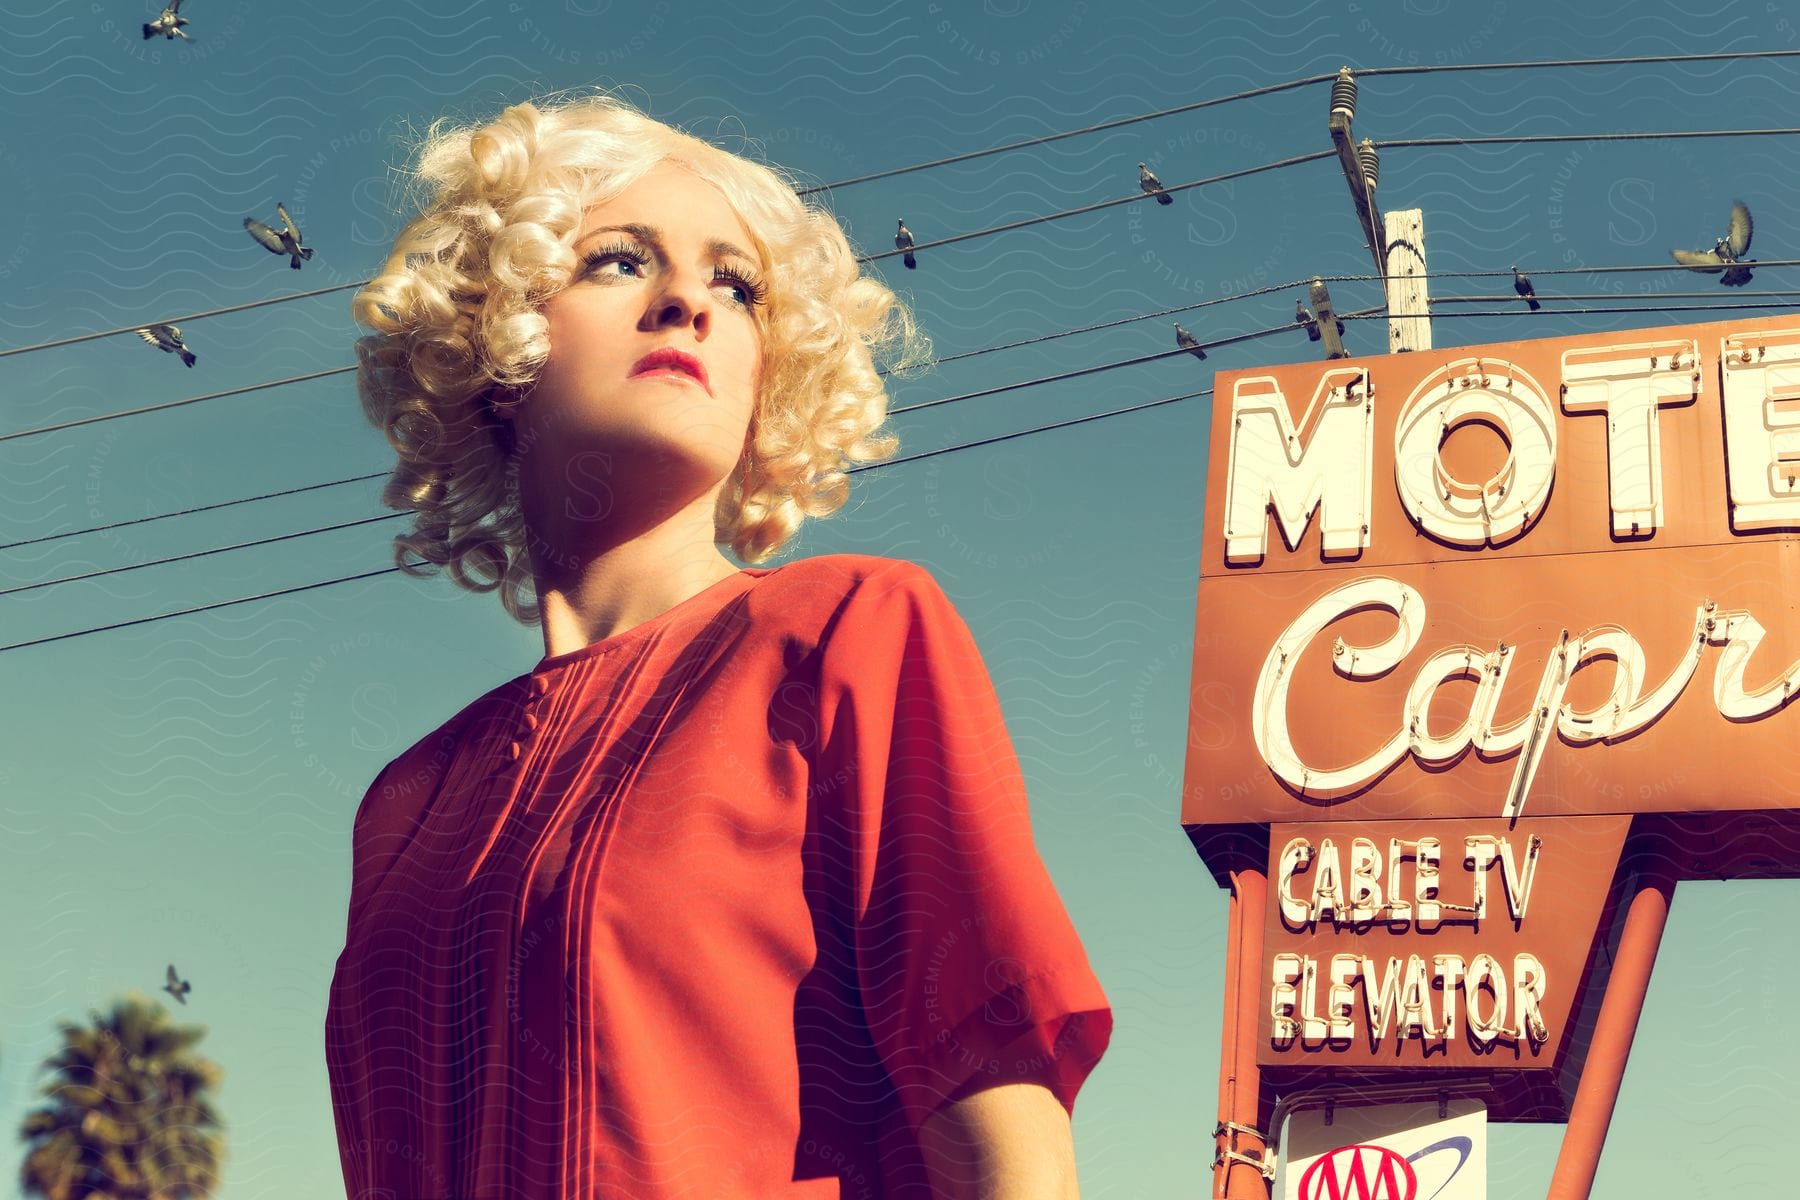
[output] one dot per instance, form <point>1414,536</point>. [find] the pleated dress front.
<point>722,906</point>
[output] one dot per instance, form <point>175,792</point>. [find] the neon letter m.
<point>1328,461</point>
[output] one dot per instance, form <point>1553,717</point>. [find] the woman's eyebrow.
<point>717,247</point>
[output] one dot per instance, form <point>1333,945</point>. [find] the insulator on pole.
<point>1371,163</point>
<point>1343,94</point>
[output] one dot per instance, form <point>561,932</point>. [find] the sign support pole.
<point>1614,1028</point>
<point>1237,1173</point>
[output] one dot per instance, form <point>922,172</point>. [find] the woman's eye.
<point>600,267</point>
<point>751,293</point>
<point>616,255</point>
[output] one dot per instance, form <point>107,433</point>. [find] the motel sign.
<point>1494,645</point>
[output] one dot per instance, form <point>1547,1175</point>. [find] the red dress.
<point>722,906</point>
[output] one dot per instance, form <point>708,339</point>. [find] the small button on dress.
<point>764,899</point>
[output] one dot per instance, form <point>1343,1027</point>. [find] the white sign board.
<point>1385,1152</point>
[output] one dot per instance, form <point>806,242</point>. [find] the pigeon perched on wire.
<point>1728,252</point>
<point>1188,341</point>
<point>177,987</point>
<point>283,241</point>
<point>1303,316</point>
<point>1522,285</point>
<point>167,338</point>
<point>1152,185</point>
<point>904,241</point>
<point>168,23</point>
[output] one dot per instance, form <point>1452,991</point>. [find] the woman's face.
<point>682,277</point>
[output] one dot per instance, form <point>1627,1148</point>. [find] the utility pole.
<point>1408,293</point>
<point>1396,240</point>
<point>1327,318</point>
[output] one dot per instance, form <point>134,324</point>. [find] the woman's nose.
<point>682,298</point>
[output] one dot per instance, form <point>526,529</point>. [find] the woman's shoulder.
<point>421,764</point>
<point>837,576</point>
<point>861,597</point>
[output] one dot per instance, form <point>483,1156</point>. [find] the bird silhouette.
<point>1522,285</point>
<point>904,241</point>
<point>1727,254</point>
<point>1152,185</point>
<point>168,339</point>
<point>177,987</point>
<point>1303,316</point>
<point>1188,341</point>
<point>168,23</point>
<point>284,241</point>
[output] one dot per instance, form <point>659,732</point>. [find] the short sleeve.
<point>969,969</point>
<point>388,815</point>
<point>363,870</point>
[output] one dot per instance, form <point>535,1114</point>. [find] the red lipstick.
<point>669,358</point>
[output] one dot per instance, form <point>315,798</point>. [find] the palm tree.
<point>128,1118</point>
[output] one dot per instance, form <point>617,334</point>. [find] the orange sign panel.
<point>1525,579</point>
<point>1455,944</point>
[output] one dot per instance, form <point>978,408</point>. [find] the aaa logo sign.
<point>1360,1173</point>
<point>1384,1152</point>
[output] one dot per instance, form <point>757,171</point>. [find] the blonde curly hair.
<point>455,320</point>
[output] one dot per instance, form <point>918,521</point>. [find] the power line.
<point>157,562</point>
<point>1166,312</point>
<point>1123,362</point>
<point>1534,64</point>
<point>58,637</point>
<point>1119,412</point>
<point>150,408</point>
<point>1270,89</point>
<point>185,512</point>
<point>1513,139</point>
<point>211,312</point>
<point>971,155</point>
<point>1096,207</point>
<point>1534,272</point>
<point>1515,298</point>
<point>1523,311</point>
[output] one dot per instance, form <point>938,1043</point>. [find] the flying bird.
<point>285,241</point>
<point>1728,252</point>
<point>1303,316</point>
<point>168,23</point>
<point>904,241</point>
<point>177,987</point>
<point>1188,341</point>
<point>167,338</point>
<point>1522,285</point>
<point>1152,185</point>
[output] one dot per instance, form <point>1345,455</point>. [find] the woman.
<point>734,894</point>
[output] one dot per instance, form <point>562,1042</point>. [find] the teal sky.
<point>183,790</point>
